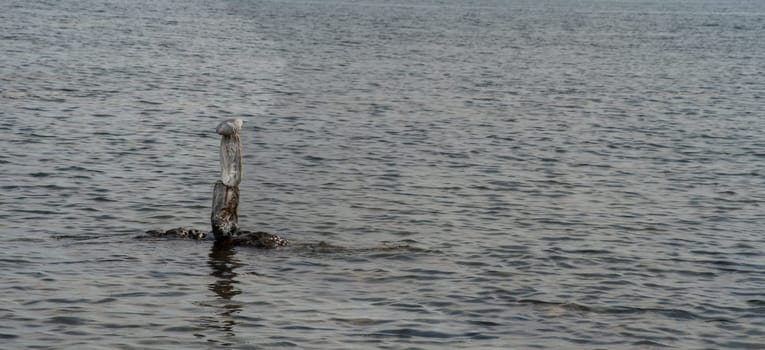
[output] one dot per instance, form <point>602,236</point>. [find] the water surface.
<point>483,174</point>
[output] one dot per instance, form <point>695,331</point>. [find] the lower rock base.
<point>242,238</point>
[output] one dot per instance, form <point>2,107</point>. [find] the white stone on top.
<point>229,127</point>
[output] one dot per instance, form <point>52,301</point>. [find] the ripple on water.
<point>521,179</point>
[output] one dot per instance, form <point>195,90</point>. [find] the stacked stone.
<point>224,218</point>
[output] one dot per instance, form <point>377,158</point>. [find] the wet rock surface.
<point>179,232</point>
<point>255,239</point>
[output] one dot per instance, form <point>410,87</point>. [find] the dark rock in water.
<point>191,233</point>
<point>180,232</point>
<point>257,239</point>
<point>153,233</point>
<point>241,238</point>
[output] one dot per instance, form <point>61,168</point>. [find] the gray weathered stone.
<point>224,217</point>
<point>230,152</point>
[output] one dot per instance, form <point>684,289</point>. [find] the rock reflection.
<point>223,263</point>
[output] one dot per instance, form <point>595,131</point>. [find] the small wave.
<point>361,321</point>
<point>648,343</point>
<point>149,102</point>
<point>77,237</point>
<point>413,333</point>
<point>68,320</point>
<point>615,310</point>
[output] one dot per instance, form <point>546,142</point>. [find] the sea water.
<point>477,174</point>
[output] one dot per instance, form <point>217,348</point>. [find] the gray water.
<point>478,174</point>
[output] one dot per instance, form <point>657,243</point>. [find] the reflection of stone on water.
<point>223,264</point>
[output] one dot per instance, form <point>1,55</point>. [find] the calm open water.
<point>487,174</point>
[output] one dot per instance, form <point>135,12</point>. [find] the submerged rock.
<point>257,239</point>
<point>180,232</point>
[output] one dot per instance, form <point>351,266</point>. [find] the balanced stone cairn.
<point>225,201</point>
<point>225,221</point>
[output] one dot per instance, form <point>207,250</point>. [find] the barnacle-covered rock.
<point>180,232</point>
